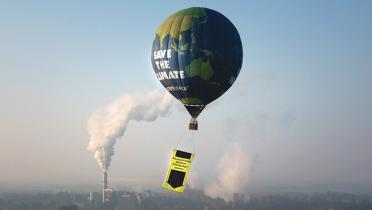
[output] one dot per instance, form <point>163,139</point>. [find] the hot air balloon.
<point>196,55</point>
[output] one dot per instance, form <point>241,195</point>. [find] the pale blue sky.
<point>302,101</point>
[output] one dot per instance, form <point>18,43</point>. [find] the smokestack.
<point>104,186</point>
<point>105,180</point>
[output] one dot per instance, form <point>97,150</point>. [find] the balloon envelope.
<point>197,55</point>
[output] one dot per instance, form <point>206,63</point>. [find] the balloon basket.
<point>193,125</point>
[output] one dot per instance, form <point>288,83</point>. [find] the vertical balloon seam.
<point>224,56</point>
<point>168,82</point>
<point>203,45</point>
<point>175,27</point>
<point>185,94</point>
<point>191,58</point>
<point>201,72</point>
<point>185,80</point>
<point>193,50</point>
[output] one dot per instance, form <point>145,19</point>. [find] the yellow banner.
<point>178,170</point>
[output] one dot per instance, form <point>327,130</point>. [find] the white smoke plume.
<point>108,124</point>
<point>233,174</point>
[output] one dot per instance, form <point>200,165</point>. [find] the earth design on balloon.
<point>197,55</point>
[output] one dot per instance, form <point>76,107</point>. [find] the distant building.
<point>238,200</point>
<point>108,194</point>
<point>94,198</point>
<point>126,200</point>
<point>146,194</point>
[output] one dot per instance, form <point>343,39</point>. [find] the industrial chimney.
<point>104,196</point>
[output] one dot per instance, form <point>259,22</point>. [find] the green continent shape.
<point>193,11</point>
<point>191,101</point>
<point>179,22</point>
<point>200,68</point>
